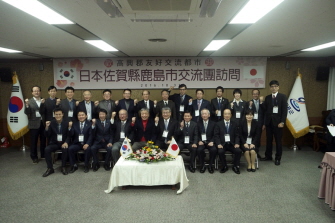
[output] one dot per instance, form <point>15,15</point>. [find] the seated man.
<point>82,138</point>
<point>188,137</point>
<point>227,139</point>
<point>144,130</point>
<point>103,135</point>
<point>57,133</point>
<point>166,127</point>
<point>206,141</point>
<point>121,129</point>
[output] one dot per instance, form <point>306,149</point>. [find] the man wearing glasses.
<point>275,107</point>
<point>180,100</point>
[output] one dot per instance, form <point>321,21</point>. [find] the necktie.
<point>273,99</point>
<point>122,126</point>
<point>59,128</point>
<point>181,99</point>
<point>127,105</point>
<point>108,105</point>
<point>166,124</point>
<point>256,105</point>
<point>205,126</point>
<point>186,128</point>
<point>219,104</point>
<point>81,127</point>
<point>103,125</point>
<point>199,104</point>
<point>227,127</point>
<point>146,104</point>
<point>165,103</point>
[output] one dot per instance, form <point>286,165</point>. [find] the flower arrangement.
<point>150,154</point>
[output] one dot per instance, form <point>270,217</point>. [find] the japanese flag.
<point>251,72</point>
<point>173,149</point>
<point>126,148</point>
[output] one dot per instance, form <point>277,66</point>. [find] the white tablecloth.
<point>132,172</point>
<point>327,182</point>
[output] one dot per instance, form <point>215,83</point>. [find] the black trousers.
<point>34,134</point>
<point>236,151</point>
<point>52,148</point>
<point>193,151</point>
<point>73,149</point>
<point>201,153</point>
<point>277,133</point>
<point>94,152</point>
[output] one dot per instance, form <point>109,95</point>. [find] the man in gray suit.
<point>35,124</point>
<point>106,104</point>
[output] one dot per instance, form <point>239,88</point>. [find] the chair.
<point>228,153</point>
<point>55,155</point>
<point>102,150</point>
<point>320,137</point>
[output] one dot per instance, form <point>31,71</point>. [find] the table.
<point>133,172</point>
<point>327,182</point>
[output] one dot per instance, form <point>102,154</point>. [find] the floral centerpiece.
<point>150,154</point>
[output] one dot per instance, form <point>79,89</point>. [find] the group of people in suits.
<point>196,124</point>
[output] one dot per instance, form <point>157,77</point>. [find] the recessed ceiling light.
<point>101,45</point>
<point>9,50</point>
<point>216,44</point>
<point>157,40</point>
<point>319,47</point>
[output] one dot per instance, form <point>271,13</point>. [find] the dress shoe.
<point>253,170</point>
<point>224,169</point>
<point>96,167</point>
<point>191,169</point>
<point>73,169</point>
<point>249,170</point>
<point>106,167</point>
<point>210,169</point>
<point>35,161</point>
<point>266,159</point>
<point>64,171</point>
<point>48,172</point>
<point>203,169</point>
<point>277,162</point>
<point>236,170</point>
<point>86,169</point>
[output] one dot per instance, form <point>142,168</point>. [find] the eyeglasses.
<point>273,86</point>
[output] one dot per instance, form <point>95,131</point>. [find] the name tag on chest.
<point>238,114</point>
<point>181,108</point>
<point>122,135</point>
<point>275,110</point>
<point>256,115</point>
<point>70,114</point>
<point>81,138</point>
<point>219,113</point>
<point>249,139</point>
<point>59,137</point>
<point>187,140</point>
<point>227,138</point>
<point>165,133</point>
<point>38,115</point>
<point>196,113</point>
<point>203,137</point>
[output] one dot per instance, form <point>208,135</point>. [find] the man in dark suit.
<point>146,104</point>
<point>48,105</point>
<point>188,138</point>
<point>106,104</point>
<point>121,129</point>
<point>81,138</point>
<point>87,106</point>
<point>165,102</point>
<point>103,135</point>
<point>57,131</point>
<point>275,108</point>
<point>255,106</point>
<point>166,128</point>
<point>127,104</point>
<point>218,105</point>
<point>206,141</point>
<point>197,105</point>
<point>144,130</point>
<point>227,139</point>
<point>35,123</point>
<point>69,105</point>
<point>180,100</point>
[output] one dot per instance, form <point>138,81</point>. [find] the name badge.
<point>196,112</point>
<point>181,108</point>
<point>59,137</point>
<point>249,140</point>
<point>81,138</point>
<point>227,137</point>
<point>219,113</point>
<point>187,140</point>
<point>122,135</point>
<point>238,114</point>
<point>89,117</point>
<point>165,133</point>
<point>38,115</point>
<point>70,114</point>
<point>256,115</point>
<point>275,109</point>
<point>203,137</point>
<point>53,114</point>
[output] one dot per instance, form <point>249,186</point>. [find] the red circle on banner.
<point>253,72</point>
<point>174,147</point>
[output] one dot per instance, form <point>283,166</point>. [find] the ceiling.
<point>292,26</point>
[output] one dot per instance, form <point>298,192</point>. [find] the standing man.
<point>87,105</point>
<point>180,100</point>
<point>165,102</point>
<point>146,104</point>
<point>166,128</point>
<point>219,104</point>
<point>69,105</point>
<point>188,138</point>
<point>198,104</point>
<point>227,139</point>
<point>275,108</point>
<point>107,104</point>
<point>127,104</point>
<point>48,105</point>
<point>35,124</point>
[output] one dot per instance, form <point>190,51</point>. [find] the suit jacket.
<point>128,131</point>
<point>194,106</point>
<point>241,107</point>
<point>152,110</point>
<point>275,118</point>
<point>82,107</point>
<point>177,101</point>
<point>47,109</point>
<point>64,105</point>
<point>255,132</point>
<point>220,131</point>
<point>209,132</point>
<point>149,133</point>
<point>131,109</point>
<point>102,133</point>
<point>331,118</point>
<point>172,129</point>
<point>33,121</point>
<point>104,105</point>
<point>192,133</point>
<point>215,106</point>
<point>260,113</point>
<point>52,132</point>
<point>161,105</point>
<point>87,132</point>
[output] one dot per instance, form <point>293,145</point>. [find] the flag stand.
<point>294,146</point>
<point>23,147</point>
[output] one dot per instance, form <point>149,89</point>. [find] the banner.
<point>17,121</point>
<point>297,119</point>
<point>160,72</point>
